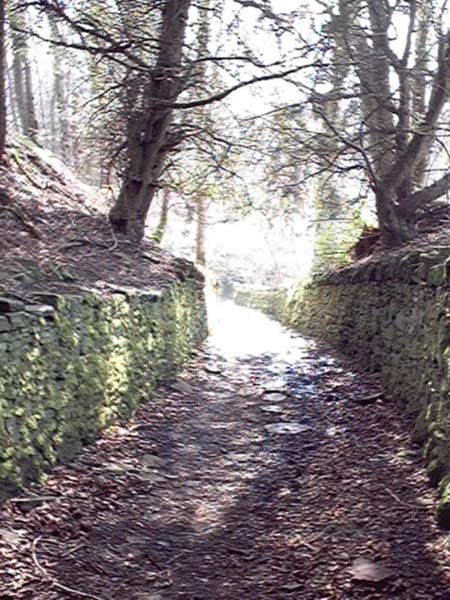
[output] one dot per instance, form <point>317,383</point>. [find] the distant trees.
<point>21,66</point>
<point>59,118</point>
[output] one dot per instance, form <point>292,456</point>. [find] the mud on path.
<point>197,498</point>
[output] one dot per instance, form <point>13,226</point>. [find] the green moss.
<point>93,364</point>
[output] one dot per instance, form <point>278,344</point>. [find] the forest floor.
<point>200,497</point>
<point>55,235</point>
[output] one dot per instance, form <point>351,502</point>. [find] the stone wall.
<point>271,302</point>
<point>393,315</point>
<point>70,365</point>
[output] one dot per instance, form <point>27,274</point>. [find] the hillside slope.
<point>54,232</point>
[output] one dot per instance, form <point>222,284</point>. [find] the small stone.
<point>119,468</point>
<point>40,310</point>
<point>151,460</point>
<point>272,408</point>
<point>287,428</point>
<point>11,537</point>
<point>274,396</point>
<point>182,387</point>
<point>368,571</point>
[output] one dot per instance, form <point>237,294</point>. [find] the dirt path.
<point>194,498</point>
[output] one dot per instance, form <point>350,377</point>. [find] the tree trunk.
<point>2,80</point>
<point>60,123</point>
<point>148,140</point>
<point>200,257</point>
<point>22,75</point>
<point>162,225</point>
<point>395,227</point>
<point>11,99</point>
<point>201,74</point>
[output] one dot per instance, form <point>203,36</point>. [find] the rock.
<point>7,305</point>
<point>32,502</point>
<point>368,571</point>
<point>287,428</point>
<point>48,299</point>
<point>212,369</point>
<point>151,460</point>
<point>275,386</point>
<point>274,396</point>
<point>40,310</point>
<point>4,324</point>
<point>272,408</point>
<point>182,387</point>
<point>368,400</point>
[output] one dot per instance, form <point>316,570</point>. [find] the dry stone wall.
<point>71,365</point>
<point>393,315</point>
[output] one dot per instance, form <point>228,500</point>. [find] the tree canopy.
<point>347,97</point>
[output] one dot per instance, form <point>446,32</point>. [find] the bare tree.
<point>402,96</point>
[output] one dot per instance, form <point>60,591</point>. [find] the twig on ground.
<point>115,243</point>
<point>54,581</point>
<point>400,501</point>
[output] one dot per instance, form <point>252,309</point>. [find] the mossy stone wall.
<point>72,365</point>
<point>271,302</point>
<point>393,315</point>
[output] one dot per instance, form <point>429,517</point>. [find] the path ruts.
<point>194,498</point>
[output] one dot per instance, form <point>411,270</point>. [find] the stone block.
<point>4,324</point>
<point>40,310</point>
<point>9,305</point>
